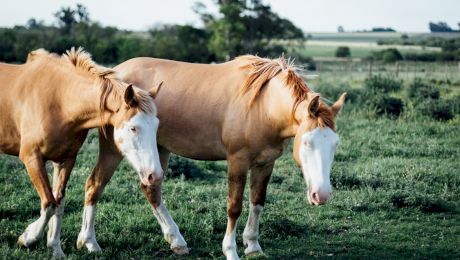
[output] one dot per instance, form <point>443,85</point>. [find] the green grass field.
<point>396,196</point>
<point>324,45</point>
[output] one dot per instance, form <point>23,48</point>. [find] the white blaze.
<point>317,151</point>
<point>136,140</point>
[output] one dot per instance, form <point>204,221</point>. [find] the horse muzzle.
<point>152,178</point>
<point>317,197</point>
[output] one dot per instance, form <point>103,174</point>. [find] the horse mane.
<point>108,80</point>
<point>262,70</point>
<point>39,53</point>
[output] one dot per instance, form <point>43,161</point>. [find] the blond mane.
<point>108,80</point>
<point>263,70</point>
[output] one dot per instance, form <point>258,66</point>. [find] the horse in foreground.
<point>47,106</point>
<point>243,111</point>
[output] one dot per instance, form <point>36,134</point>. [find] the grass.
<point>326,49</point>
<point>396,195</point>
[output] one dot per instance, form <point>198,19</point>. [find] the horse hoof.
<point>58,254</point>
<point>92,247</point>
<point>254,253</point>
<point>182,250</point>
<point>26,242</point>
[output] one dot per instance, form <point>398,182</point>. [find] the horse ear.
<point>130,98</point>
<point>338,104</point>
<point>313,105</point>
<point>154,91</point>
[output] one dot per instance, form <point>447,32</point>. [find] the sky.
<point>309,15</point>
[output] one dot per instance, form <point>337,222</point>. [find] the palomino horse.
<point>48,105</point>
<point>244,111</point>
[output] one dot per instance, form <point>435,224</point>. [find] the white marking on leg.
<point>251,231</point>
<point>170,230</point>
<point>35,230</point>
<point>229,244</point>
<point>87,236</point>
<point>54,231</point>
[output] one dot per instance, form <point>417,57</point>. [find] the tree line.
<point>242,26</point>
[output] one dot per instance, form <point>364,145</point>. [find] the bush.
<point>333,92</point>
<point>307,62</point>
<point>179,166</point>
<point>436,108</point>
<point>342,52</point>
<point>388,105</point>
<point>388,55</point>
<point>419,91</point>
<point>377,95</point>
<point>382,84</point>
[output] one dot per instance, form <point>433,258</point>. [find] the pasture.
<point>396,195</point>
<point>361,44</point>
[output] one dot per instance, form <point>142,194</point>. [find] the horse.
<point>47,107</point>
<point>244,111</point>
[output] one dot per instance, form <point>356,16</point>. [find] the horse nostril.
<point>314,196</point>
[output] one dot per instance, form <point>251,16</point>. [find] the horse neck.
<point>278,103</point>
<point>82,105</point>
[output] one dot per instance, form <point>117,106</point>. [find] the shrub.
<point>419,91</point>
<point>179,166</point>
<point>333,92</point>
<point>436,108</point>
<point>388,105</point>
<point>387,55</point>
<point>377,95</point>
<point>342,52</point>
<point>382,84</point>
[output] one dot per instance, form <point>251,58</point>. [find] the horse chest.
<point>269,154</point>
<point>58,148</point>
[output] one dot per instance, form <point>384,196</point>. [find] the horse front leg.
<point>35,166</point>
<point>61,175</point>
<point>169,228</point>
<point>260,176</point>
<point>237,172</point>
<point>108,160</point>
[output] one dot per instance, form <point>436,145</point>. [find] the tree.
<point>439,27</point>
<point>340,29</point>
<point>66,19</point>
<point>246,26</point>
<point>228,32</point>
<point>342,52</point>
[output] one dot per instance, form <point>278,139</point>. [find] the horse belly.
<point>194,146</point>
<point>9,139</point>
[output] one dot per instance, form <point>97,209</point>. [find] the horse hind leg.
<point>35,167</point>
<point>61,175</point>
<point>259,179</point>
<point>169,228</point>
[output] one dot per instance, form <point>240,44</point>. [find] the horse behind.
<point>243,111</point>
<point>47,106</point>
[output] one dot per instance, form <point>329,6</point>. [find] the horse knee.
<point>234,209</point>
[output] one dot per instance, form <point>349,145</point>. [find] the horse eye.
<point>133,129</point>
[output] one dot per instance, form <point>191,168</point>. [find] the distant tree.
<point>439,27</point>
<point>382,29</point>
<point>342,52</point>
<point>404,36</point>
<point>340,29</point>
<point>246,26</point>
<point>82,14</point>
<point>66,19</point>
<point>32,23</point>
<point>391,55</point>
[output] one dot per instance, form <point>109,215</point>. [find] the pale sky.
<point>309,15</point>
